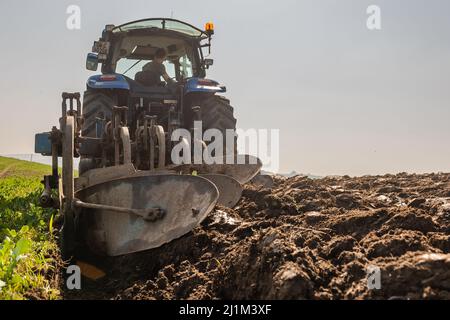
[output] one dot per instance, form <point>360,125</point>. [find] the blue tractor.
<point>124,52</point>
<point>132,193</point>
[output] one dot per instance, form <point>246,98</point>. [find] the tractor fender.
<point>203,85</point>
<point>108,81</point>
<point>117,81</point>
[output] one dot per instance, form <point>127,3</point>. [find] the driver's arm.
<point>166,77</point>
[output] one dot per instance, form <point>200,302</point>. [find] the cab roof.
<point>163,24</point>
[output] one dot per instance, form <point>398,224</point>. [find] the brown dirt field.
<point>302,239</point>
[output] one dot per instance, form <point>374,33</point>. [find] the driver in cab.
<point>153,71</point>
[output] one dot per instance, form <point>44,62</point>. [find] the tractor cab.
<point>124,50</point>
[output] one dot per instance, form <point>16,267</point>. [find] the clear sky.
<point>346,100</point>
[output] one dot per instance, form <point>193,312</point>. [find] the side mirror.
<point>92,61</point>
<point>207,63</point>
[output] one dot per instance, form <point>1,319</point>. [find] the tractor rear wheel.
<point>95,105</point>
<point>217,113</point>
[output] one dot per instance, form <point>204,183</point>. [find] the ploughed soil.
<point>302,239</point>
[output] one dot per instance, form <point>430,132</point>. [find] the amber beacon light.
<point>209,28</point>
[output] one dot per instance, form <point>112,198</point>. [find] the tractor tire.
<point>217,113</point>
<point>95,105</point>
